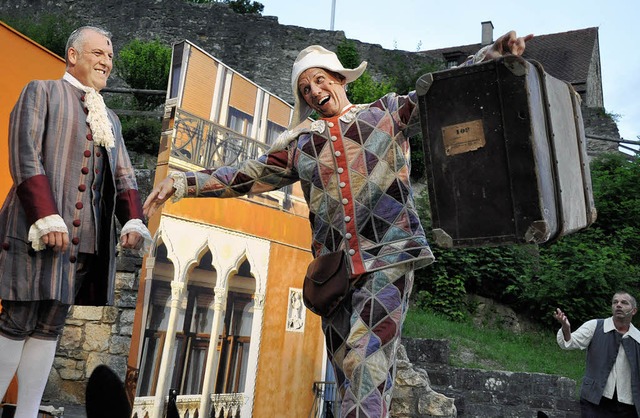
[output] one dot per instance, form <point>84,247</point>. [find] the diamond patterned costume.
<point>354,171</point>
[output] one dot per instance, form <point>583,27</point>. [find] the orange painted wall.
<point>289,362</point>
<point>21,60</point>
<point>244,216</point>
<point>199,85</point>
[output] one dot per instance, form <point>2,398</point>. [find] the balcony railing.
<point>324,402</point>
<point>205,144</point>
<point>223,405</point>
<point>209,145</point>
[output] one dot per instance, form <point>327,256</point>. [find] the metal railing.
<point>324,401</point>
<point>206,144</point>
<point>223,405</point>
<point>209,145</point>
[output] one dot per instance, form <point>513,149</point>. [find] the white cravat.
<point>97,117</point>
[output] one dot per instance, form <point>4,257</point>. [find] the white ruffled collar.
<point>318,126</point>
<point>97,117</point>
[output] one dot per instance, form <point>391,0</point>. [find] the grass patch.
<point>497,349</point>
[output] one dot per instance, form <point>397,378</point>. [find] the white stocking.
<point>10,352</point>
<point>33,373</point>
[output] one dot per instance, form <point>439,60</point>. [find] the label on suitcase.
<point>505,155</point>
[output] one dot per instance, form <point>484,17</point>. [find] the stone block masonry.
<point>95,335</point>
<point>489,393</point>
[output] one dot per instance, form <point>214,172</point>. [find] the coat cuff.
<point>129,206</point>
<point>36,198</point>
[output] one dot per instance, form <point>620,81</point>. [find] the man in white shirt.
<point>610,387</point>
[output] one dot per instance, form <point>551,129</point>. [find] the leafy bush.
<point>50,31</point>
<point>142,135</point>
<point>245,6</point>
<point>581,272</point>
<point>145,65</point>
<point>364,89</point>
<point>486,271</point>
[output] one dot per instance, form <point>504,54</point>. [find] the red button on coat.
<point>89,137</point>
<point>72,259</point>
<point>76,222</point>
<point>85,170</point>
<point>75,240</point>
<point>87,153</point>
<point>79,205</point>
<point>82,187</point>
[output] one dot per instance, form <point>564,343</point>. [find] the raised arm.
<point>564,322</point>
<point>508,44</point>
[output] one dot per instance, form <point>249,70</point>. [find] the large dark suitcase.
<point>505,155</point>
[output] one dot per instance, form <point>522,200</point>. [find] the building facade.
<point>219,317</point>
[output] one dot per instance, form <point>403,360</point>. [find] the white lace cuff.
<point>51,223</point>
<point>136,225</point>
<point>180,184</point>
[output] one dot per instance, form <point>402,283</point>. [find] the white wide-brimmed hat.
<point>315,56</point>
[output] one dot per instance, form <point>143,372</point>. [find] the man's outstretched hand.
<point>508,44</point>
<point>157,197</point>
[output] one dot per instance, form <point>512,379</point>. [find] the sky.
<point>426,24</point>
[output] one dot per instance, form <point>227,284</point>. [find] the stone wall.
<point>489,394</point>
<point>256,46</point>
<point>93,336</point>
<point>597,123</point>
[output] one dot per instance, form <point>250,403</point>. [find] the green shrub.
<point>580,272</point>
<point>145,65</point>
<point>142,135</point>
<point>50,31</point>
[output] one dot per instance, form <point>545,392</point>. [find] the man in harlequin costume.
<point>353,165</point>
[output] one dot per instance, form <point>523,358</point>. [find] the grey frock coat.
<point>57,169</point>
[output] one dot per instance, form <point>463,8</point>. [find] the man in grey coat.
<point>72,178</point>
<point>611,384</point>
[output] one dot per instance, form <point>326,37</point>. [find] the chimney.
<point>487,33</point>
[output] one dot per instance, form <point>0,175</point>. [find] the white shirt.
<point>620,376</point>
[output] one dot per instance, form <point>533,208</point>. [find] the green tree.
<point>365,89</point>
<point>50,31</point>
<point>616,192</point>
<point>580,272</point>
<point>245,6</point>
<point>238,6</point>
<point>145,65</point>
